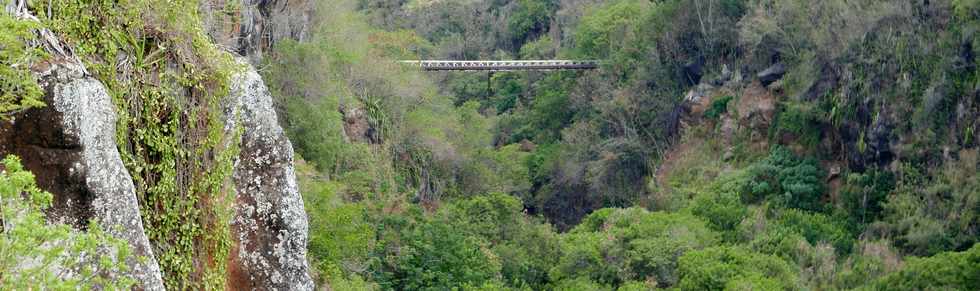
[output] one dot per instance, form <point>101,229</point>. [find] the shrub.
<point>579,284</point>
<point>928,216</point>
<point>722,210</point>
<point>800,121</point>
<point>615,246</point>
<point>35,253</point>
<point>718,107</point>
<point>816,228</point>
<point>18,88</point>
<point>788,180</point>
<point>602,32</point>
<point>724,267</point>
<point>530,18</point>
<point>863,194</point>
<point>945,271</point>
<point>527,248</point>
<point>437,257</point>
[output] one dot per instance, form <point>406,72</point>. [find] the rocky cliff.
<point>252,27</point>
<point>70,147</point>
<point>269,229</point>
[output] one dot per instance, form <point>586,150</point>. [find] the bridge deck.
<point>532,65</point>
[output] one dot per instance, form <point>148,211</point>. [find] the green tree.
<point>928,216</point>
<point>19,90</point>
<point>437,257</point>
<point>788,179</point>
<point>615,246</point>
<point>530,18</point>
<point>816,228</point>
<point>734,268</point>
<point>864,194</point>
<point>527,248</point>
<point>722,210</point>
<point>944,271</point>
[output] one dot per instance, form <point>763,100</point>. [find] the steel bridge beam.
<point>497,66</point>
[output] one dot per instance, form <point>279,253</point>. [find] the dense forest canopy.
<point>726,144</point>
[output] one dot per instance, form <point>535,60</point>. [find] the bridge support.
<point>490,83</point>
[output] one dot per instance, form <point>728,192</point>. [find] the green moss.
<point>167,81</point>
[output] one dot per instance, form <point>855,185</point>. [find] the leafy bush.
<point>718,107</point>
<point>527,248</point>
<point>871,260</point>
<point>726,267</point>
<point>816,228</point>
<point>928,216</point>
<point>615,246</point>
<point>18,88</point>
<point>801,122</point>
<point>945,271</point>
<point>38,254</point>
<point>600,33</point>
<point>579,284</point>
<point>437,257</point>
<point>722,210</point>
<point>788,180</point>
<point>494,217</point>
<point>530,18</point>
<point>864,193</point>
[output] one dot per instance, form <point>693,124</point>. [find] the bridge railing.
<point>525,65</point>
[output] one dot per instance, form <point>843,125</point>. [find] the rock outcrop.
<point>252,27</point>
<point>70,147</point>
<point>269,229</point>
<point>772,74</point>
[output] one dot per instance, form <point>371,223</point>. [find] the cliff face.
<point>252,27</point>
<point>269,229</point>
<point>70,147</point>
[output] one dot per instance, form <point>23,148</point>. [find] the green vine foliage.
<point>37,255</point>
<point>167,81</point>
<point>18,88</point>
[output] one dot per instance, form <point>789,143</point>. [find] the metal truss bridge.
<point>501,66</point>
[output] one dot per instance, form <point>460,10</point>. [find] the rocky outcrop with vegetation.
<point>68,144</point>
<point>251,28</point>
<point>139,125</point>
<point>269,229</point>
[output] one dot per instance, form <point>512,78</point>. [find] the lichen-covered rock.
<point>70,146</point>
<point>252,27</point>
<point>269,228</point>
